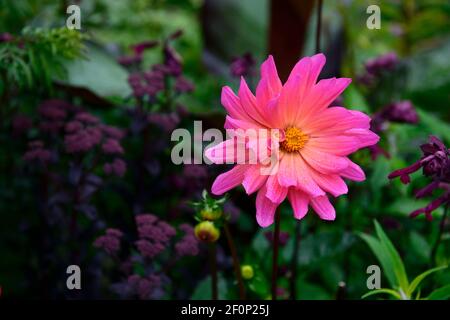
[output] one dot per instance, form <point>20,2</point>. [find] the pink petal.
<point>309,68</point>
<point>323,162</point>
<point>337,145</point>
<point>365,137</point>
<point>229,180</point>
<point>353,172</point>
<point>269,72</point>
<point>265,209</point>
<point>298,86</point>
<point>287,175</point>
<point>253,180</point>
<point>331,183</point>
<point>290,101</point>
<point>293,171</point>
<point>333,121</point>
<point>231,123</point>
<point>270,84</point>
<point>224,152</point>
<point>320,97</point>
<point>275,192</point>
<point>299,202</point>
<point>232,104</point>
<point>323,208</point>
<point>249,104</point>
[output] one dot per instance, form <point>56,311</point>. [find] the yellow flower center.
<point>294,140</point>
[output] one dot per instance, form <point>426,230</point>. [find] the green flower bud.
<point>206,231</point>
<point>210,215</point>
<point>247,272</point>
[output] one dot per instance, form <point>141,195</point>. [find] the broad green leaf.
<point>442,293</point>
<point>397,263</point>
<point>387,291</point>
<point>99,73</point>
<point>419,279</point>
<point>382,256</point>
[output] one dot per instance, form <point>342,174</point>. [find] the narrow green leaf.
<point>420,277</point>
<point>442,293</point>
<point>397,263</point>
<point>387,291</point>
<point>382,256</point>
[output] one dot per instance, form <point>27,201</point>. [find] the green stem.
<point>318,25</point>
<point>213,266</point>
<point>276,242</point>
<point>439,238</point>
<point>236,264</point>
<point>293,279</point>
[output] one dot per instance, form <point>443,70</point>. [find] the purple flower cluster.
<point>183,85</point>
<point>86,131</point>
<point>37,152</point>
<point>154,235</point>
<point>166,121</point>
<point>150,83</point>
<point>377,66</point>
<point>112,146</point>
<point>81,132</point>
<point>435,164</point>
<point>188,244</point>
<point>117,167</point>
<point>399,112</point>
<point>243,66</point>
<point>192,178</point>
<point>53,113</point>
<point>144,287</point>
<point>110,241</point>
<point>147,83</point>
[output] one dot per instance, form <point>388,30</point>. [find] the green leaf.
<point>353,99</point>
<point>310,291</point>
<point>382,256</point>
<point>203,289</point>
<point>442,293</point>
<point>435,125</point>
<point>378,178</point>
<point>260,244</point>
<point>260,286</point>
<point>397,263</point>
<point>419,279</point>
<point>420,246</point>
<point>99,73</point>
<point>387,291</point>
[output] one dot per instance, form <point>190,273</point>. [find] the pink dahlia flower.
<point>313,143</point>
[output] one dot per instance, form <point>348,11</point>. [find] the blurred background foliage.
<point>82,68</point>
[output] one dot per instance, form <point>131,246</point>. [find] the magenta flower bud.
<point>139,48</point>
<point>242,66</point>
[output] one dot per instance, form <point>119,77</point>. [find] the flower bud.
<point>247,272</point>
<point>206,231</point>
<point>210,214</point>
